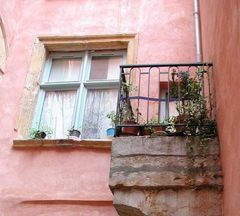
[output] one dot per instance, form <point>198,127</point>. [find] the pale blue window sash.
<point>53,86</point>
<point>96,84</point>
<point>81,86</point>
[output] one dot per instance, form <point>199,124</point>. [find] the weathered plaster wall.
<point>221,42</point>
<point>166,34</point>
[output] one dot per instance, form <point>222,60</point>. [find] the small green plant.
<point>112,116</point>
<point>126,112</point>
<point>191,104</point>
<point>128,87</point>
<point>185,87</point>
<point>75,128</point>
<point>171,129</point>
<point>153,125</point>
<point>40,133</point>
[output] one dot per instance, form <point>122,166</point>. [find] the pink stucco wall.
<point>221,33</point>
<point>58,181</point>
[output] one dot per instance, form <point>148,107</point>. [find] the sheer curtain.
<point>113,67</point>
<point>105,68</point>
<point>57,112</point>
<point>99,104</point>
<point>58,106</point>
<point>65,70</point>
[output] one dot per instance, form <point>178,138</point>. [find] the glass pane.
<point>99,104</point>
<point>167,108</point>
<point>57,112</point>
<point>105,67</point>
<point>65,70</point>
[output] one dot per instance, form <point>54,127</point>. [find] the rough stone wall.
<point>159,177</point>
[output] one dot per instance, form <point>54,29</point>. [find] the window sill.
<point>63,143</point>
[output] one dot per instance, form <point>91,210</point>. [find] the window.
<point>167,107</point>
<point>78,89</point>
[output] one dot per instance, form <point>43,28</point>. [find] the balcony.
<point>165,155</point>
<point>172,98</point>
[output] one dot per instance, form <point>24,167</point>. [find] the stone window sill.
<point>63,143</point>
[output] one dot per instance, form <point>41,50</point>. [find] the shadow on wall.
<point>3,48</point>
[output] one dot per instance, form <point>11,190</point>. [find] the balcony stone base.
<point>166,176</point>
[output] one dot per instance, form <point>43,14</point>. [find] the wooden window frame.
<point>45,44</point>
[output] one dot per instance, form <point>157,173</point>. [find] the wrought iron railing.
<point>154,95</point>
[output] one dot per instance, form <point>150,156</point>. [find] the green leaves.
<point>192,103</point>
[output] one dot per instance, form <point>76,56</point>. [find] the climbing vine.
<point>193,121</point>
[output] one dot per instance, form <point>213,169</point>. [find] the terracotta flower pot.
<point>146,131</point>
<point>131,130</point>
<point>152,129</point>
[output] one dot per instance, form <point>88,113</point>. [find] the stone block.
<point>159,176</point>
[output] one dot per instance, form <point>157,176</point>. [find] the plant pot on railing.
<point>153,127</point>
<point>180,129</point>
<point>181,124</point>
<point>159,130</point>
<point>130,128</point>
<point>152,130</point>
<point>146,131</point>
<point>177,125</point>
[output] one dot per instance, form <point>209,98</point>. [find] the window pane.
<point>167,108</point>
<point>99,104</point>
<point>65,70</point>
<point>105,67</point>
<point>57,112</point>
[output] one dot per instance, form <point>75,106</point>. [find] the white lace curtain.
<point>65,70</point>
<point>57,112</point>
<point>58,107</point>
<point>99,104</point>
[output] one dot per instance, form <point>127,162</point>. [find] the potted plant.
<point>126,116</point>
<point>111,131</point>
<point>130,127</point>
<point>74,132</point>
<point>39,133</point>
<point>193,118</point>
<point>154,127</point>
<point>184,87</point>
<point>146,130</point>
<point>177,125</point>
<point>128,120</point>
